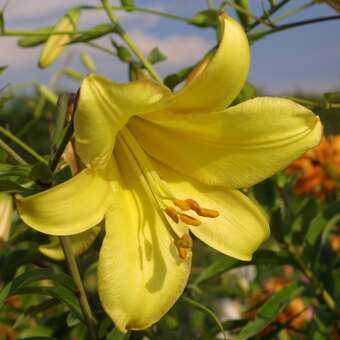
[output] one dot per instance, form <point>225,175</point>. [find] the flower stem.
<point>12,153</point>
<point>23,145</point>
<point>129,42</point>
<point>66,244</point>
<point>74,271</point>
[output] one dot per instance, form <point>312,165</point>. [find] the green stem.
<point>292,25</point>
<point>210,4</point>
<point>23,145</point>
<point>74,271</point>
<point>141,10</point>
<point>67,248</point>
<point>325,295</point>
<point>101,48</point>
<point>15,33</point>
<point>129,42</point>
<point>12,153</point>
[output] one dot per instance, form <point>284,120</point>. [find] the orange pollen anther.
<point>172,213</point>
<point>183,244</point>
<point>193,204</point>
<point>204,212</point>
<point>183,205</point>
<point>190,220</point>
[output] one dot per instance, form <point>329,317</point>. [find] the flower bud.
<point>6,210</point>
<point>55,44</point>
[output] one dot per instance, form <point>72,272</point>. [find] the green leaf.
<point>317,227</point>
<point>172,80</point>
<point>87,61</point>
<point>41,274</point>
<point>207,18</point>
<point>269,310</point>
<point>332,97</point>
<point>2,22</point>
<point>116,334</point>
<point>94,33</point>
<point>60,118</point>
<point>42,173</point>
<point>8,170</point>
<point>4,293</point>
<point>248,92</point>
<point>218,268</point>
<point>156,56</point>
<point>48,94</point>
<point>264,193</point>
<point>72,73</point>
<point>261,257</point>
<point>61,293</point>
<point>128,4</point>
<point>3,68</point>
<point>35,40</point>
<point>206,310</point>
<point>41,307</point>
<point>12,187</point>
<point>123,53</point>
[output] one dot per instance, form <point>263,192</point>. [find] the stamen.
<point>193,204</point>
<point>183,244</point>
<point>183,205</point>
<point>190,220</point>
<point>205,212</point>
<point>172,213</point>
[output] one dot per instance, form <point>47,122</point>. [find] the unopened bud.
<point>6,210</point>
<point>56,44</point>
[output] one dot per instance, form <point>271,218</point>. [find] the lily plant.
<point>160,166</point>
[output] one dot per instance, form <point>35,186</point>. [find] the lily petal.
<point>69,208</point>
<point>103,109</point>
<point>140,274</point>
<point>235,148</point>
<point>220,82</point>
<point>79,243</point>
<point>238,230</point>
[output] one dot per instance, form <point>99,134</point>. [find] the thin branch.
<point>292,25</point>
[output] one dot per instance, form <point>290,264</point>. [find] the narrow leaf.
<point>207,18</point>
<point>35,40</point>
<point>4,293</point>
<point>206,310</point>
<point>128,4</point>
<point>269,310</point>
<point>88,62</point>
<point>172,80</point>
<point>156,56</point>
<point>93,33</point>
<point>7,170</point>
<point>48,94</point>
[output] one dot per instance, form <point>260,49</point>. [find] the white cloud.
<point>179,49</point>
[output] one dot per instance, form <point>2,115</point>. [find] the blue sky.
<point>305,59</point>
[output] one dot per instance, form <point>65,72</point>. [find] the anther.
<point>204,212</point>
<point>183,244</point>
<point>190,220</point>
<point>172,213</point>
<point>193,204</point>
<point>183,205</point>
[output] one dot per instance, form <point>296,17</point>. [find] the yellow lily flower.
<point>160,165</point>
